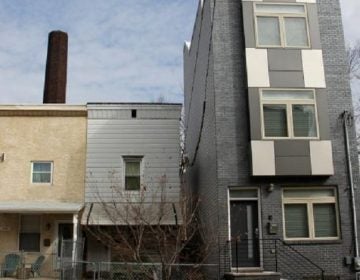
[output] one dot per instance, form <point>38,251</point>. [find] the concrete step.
<point>253,275</point>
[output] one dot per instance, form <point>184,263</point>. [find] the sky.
<point>119,50</point>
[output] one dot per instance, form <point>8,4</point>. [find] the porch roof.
<point>39,207</point>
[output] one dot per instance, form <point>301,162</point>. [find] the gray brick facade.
<point>222,158</point>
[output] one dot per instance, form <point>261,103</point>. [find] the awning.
<point>131,213</point>
<point>39,207</point>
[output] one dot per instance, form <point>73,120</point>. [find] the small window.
<point>281,25</point>
<point>132,173</point>
<point>289,114</point>
<point>29,239</point>
<point>41,172</point>
<point>310,214</point>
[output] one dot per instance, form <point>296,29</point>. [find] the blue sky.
<point>119,50</point>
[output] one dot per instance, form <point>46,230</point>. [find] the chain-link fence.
<point>138,271</point>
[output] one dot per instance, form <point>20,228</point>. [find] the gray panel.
<point>286,79</point>
<point>292,166</point>
<point>255,116</point>
<point>249,28</point>
<point>290,148</point>
<point>313,26</point>
<point>285,60</point>
<point>323,114</point>
<point>281,1</point>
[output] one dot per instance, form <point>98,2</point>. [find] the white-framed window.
<point>289,113</point>
<point>281,25</point>
<point>41,172</point>
<point>310,214</point>
<point>132,172</point>
<point>29,234</point>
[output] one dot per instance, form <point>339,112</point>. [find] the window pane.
<point>42,166</point>
<point>296,32</point>
<point>243,193</point>
<point>304,120</point>
<point>325,220</point>
<point>30,223</point>
<point>29,242</point>
<point>132,183</point>
<point>289,9</point>
<point>268,31</point>
<point>41,178</point>
<point>296,221</point>
<point>309,193</point>
<point>275,121</point>
<point>132,168</point>
<point>287,95</point>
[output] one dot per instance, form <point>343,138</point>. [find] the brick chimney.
<point>56,68</point>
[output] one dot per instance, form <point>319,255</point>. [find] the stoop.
<point>253,275</point>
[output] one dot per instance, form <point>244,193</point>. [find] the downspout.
<point>348,119</point>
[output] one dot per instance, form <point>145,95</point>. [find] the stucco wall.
<point>58,139</point>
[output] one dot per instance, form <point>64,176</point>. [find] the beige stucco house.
<point>42,167</point>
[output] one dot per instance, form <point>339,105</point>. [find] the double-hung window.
<point>289,114</point>
<point>29,237</point>
<point>310,214</point>
<point>281,25</point>
<point>41,172</point>
<point>132,173</point>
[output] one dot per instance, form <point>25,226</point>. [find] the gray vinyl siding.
<point>113,134</point>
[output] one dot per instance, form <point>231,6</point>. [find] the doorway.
<point>244,228</point>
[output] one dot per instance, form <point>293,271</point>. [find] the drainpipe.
<point>347,118</point>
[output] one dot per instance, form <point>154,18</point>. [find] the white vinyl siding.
<point>114,136</point>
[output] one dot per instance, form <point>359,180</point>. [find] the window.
<point>132,173</point>
<point>289,114</point>
<point>29,239</point>
<point>310,214</point>
<point>41,172</point>
<point>281,25</point>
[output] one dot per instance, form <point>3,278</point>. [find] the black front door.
<point>65,232</point>
<point>244,234</point>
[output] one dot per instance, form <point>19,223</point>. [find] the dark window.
<point>133,113</point>
<point>29,239</point>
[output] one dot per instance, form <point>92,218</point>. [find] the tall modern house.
<point>270,146</point>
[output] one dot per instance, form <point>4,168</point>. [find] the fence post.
<point>237,255</point>
<point>276,255</point>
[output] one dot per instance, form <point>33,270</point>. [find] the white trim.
<point>258,200</point>
<point>289,116</point>
<point>309,202</point>
<point>281,20</point>
<point>51,172</point>
<point>133,158</point>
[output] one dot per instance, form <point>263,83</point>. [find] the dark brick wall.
<point>56,68</point>
<point>232,140</point>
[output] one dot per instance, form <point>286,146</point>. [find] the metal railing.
<point>273,255</point>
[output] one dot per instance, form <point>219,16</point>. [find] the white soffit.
<point>313,65</point>
<point>263,158</point>
<point>257,67</point>
<point>39,207</point>
<point>305,1</point>
<point>321,158</point>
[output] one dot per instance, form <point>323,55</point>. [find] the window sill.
<point>312,242</point>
